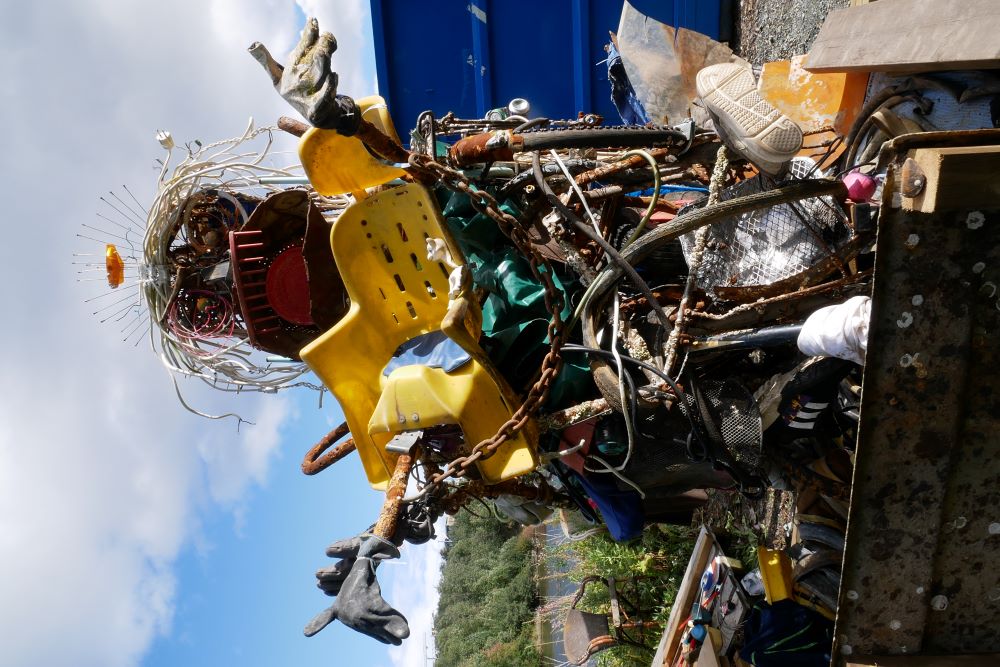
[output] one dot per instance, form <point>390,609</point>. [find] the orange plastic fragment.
<point>114,265</point>
<point>814,101</point>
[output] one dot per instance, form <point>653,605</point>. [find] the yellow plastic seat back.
<point>379,245</point>
<point>337,165</point>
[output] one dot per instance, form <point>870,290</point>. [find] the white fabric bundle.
<point>838,331</point>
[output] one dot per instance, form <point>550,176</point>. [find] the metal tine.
<point>127,219</point>
<point>121,311</point>
<point>135,200</point>
<point>112,293</point>
<point>129,208</point>
<point>114,222</point>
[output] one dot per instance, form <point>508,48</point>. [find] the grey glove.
<point>308,84</point>
<point>416,526</point>
<point>359,603</point>
<point>331,579</point>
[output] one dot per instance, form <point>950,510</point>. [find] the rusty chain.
<point>485,203</point>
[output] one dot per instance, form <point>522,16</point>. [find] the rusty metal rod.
<point>790,296</point>
<point>381,143</point>
<point>388,517</point>
<point>557,421</point>
<point>314,462</point>
<point>621,165</point>
<point>292,126</point>
<point>370,135</point>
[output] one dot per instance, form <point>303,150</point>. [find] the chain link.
<point>485,203</point>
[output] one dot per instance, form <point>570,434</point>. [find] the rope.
<point>701,240</point>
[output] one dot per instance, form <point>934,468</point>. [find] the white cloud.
<point>234,464</point>
<point>103,475</point>
<point>415,594</point>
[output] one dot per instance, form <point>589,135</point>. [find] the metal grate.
<point>734,413</point>
<point>768,245</point>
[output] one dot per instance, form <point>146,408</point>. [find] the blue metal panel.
<point>469,56</point>
<point>533,56</point>
<point>581,54</point>
<point>482,65</point>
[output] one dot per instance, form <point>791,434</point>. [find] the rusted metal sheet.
<point>922,561</point>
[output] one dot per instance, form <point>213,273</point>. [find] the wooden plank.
<point>977,660</point>
<point>909,36</point>
<point>957,178</point>
<point>704,547</point>
<point>708,656</point>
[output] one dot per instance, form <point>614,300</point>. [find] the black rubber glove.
<point>308,83</point>
<point>359,603</point>
<point>416,526</point>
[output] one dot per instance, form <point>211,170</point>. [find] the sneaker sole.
<point>745,120</point>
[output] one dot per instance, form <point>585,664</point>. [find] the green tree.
<point>486,612</point>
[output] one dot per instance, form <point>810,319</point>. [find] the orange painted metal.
<point>823,105</point>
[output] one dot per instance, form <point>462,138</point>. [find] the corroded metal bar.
<point>315,460</point>
<point>388,517</point>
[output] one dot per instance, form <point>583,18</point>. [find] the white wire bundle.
<point>230,166</point>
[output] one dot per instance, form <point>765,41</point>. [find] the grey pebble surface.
<point>769,30</point>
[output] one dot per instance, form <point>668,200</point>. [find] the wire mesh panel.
<point>734,412</point>
<point>768,245</point>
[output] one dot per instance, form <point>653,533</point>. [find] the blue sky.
<point>131,531</point>
<point>247,591</point>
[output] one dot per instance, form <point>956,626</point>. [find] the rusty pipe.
<point>388,518</point>
<point>292,126</point>
<point>315,461</point>
<point>487,147</point>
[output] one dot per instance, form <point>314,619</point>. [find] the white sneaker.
<point>744,120</point>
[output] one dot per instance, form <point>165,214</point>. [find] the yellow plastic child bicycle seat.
<point>399,303</point>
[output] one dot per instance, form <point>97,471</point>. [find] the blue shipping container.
<point>470,56</point>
